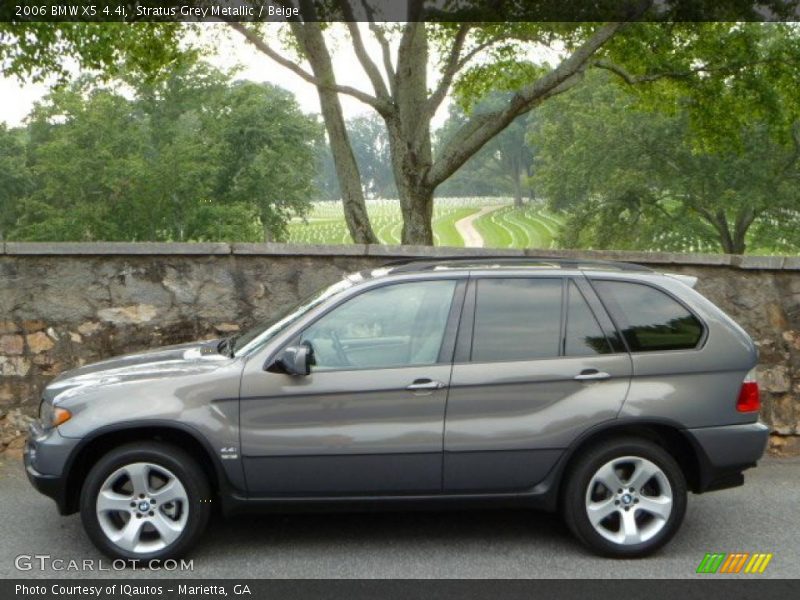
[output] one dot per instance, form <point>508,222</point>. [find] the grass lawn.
<point>523,227</point>
<point>325,223</point>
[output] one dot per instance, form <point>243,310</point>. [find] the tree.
<point>87,157</point>
<point>402,96</point>
<point>370,143</point>
<point>191,157</point>
<point>703,56</point>
<point>268,152</point>
<point>630,177</point>
<point>15,177</point>
<point>501,167</point>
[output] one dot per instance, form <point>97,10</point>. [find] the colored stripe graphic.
<point>720,562</point>
<point>711,562</point>
<point>734,563</point>
<point>741,562</point>
<point>758,563</point>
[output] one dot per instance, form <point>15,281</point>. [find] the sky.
<point>17,98</point>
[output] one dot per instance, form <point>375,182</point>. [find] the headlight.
<point>52,416</point>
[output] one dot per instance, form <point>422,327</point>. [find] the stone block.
<point>774,379</point>
<point>128,315</point>
<point>11,344</point>
<point>39,342</point>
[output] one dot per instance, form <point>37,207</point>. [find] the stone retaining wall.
<point>63,305</point>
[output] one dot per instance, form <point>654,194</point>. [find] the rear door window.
<point>650,320</point>
<point>517,319</point>
<point>584,337</point>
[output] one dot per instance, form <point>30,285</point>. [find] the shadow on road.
<point>365,528</point>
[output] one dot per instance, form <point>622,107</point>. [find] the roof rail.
<point>462,262</point>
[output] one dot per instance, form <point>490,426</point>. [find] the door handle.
<point>425,385</point>
<point>592,375</point>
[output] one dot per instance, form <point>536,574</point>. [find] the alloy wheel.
<point>629,500</point>
<point>142,507</point>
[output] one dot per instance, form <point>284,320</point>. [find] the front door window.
<point>400,325</point>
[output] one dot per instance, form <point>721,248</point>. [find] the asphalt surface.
<point>762,516</point>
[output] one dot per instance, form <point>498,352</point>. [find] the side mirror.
<point>294,360</point>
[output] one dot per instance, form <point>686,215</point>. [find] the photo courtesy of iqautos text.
<point>399,298</point>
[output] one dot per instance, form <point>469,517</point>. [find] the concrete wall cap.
<point>748,262</point>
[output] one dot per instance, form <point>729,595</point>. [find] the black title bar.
<point>388,589</point>
<point>396,10</point>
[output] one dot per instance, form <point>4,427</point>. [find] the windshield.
<point>259,335</point>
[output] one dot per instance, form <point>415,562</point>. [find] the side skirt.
<point>543,496</point>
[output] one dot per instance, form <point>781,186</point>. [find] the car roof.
<point>470,263</point>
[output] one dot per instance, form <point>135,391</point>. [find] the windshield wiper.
<point>227,345</point>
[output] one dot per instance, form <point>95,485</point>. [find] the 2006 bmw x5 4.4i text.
<point>604,390</point>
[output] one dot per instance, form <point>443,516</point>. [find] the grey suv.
<point>603,390</point>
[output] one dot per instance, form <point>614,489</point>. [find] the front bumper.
<point>46,455</point>
<point>725,452</point>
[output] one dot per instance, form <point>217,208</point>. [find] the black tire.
<point>181,464</point>
<point>579,476</point>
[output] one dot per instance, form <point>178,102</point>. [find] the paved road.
<point>762,516</point>
<point>466,227</point>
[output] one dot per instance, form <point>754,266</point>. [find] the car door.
<point>537,363</point>
<point>369,418</point>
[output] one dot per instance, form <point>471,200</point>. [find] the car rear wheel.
<point>625,498</point>
<point>145,501</point>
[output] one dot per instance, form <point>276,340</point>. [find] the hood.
<point>169,361</point>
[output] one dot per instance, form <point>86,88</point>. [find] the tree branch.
<point>632,79</point>
<point>265,48</point>
<point>481,128</point>
<point>386,49</point>
<point>450,69</point>
<point>623,74</point>
<point>378,84</point>
<point>796,153</point>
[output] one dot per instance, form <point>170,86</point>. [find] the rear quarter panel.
<point>697,387</point>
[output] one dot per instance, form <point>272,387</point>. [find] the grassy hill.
<point>505,227</point>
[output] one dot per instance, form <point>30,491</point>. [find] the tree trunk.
<point>740,228</point>
<point>417,210</point>
<point>732,242</point>
<point>516,180</point>
<point>529,186</point>
<point>409,130</point>
<point>355,209</point>
<point>517,194</point>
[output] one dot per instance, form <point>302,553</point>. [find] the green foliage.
<point>629,177</point>
<point>485,80</point>
<point>501,167</point>
<point>191,157</point>
<point>370,144</point>
<point>724,76</point>
<point>37,50</point>
<point>16,179</point>
<point>698,152</point>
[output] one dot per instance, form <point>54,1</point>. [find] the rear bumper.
<point>725,452</point>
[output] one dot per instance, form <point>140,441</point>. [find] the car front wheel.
<point>145,501</point>
<point>625,498</point>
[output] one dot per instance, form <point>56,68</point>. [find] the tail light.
<point>749,399</point>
